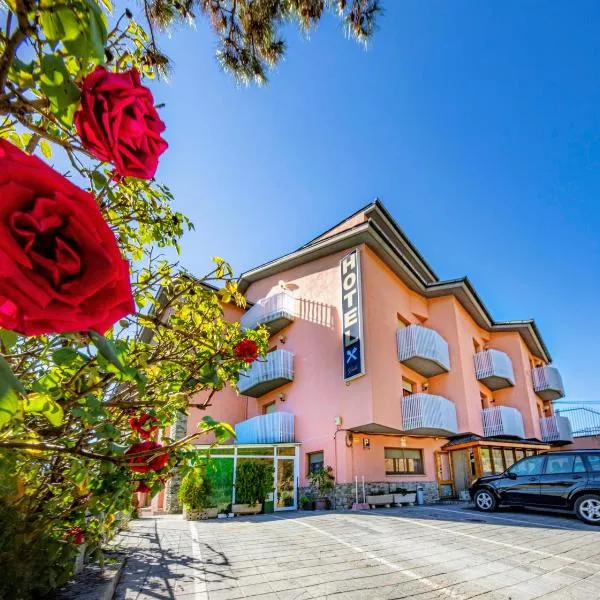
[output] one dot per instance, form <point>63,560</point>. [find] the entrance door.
<point>285,484</point>
<point>443,471</point>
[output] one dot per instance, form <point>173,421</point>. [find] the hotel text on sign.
<point>352,316</point>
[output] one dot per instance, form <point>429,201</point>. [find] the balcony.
<point>547,383</point>
<point>426,414</point>
<point>494,369</point>
<point>274,428</point>
<point>423,350</point>
<point>267,374</point>
<point>275,312</point>
<point>502,421</point>
<point>556,429</point>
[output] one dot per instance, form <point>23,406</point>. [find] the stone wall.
<point>344,494</point>
<point>171,501</point>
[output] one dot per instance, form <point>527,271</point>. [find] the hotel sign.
<point>352,332</point>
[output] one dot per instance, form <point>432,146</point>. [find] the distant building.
<point>380,370</point>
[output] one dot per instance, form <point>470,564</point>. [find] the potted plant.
<point>306,503</point>
<point>253,483</point>
<point>323,481</point>
<point>194,494</point>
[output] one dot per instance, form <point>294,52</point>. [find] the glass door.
<point>285,484</point>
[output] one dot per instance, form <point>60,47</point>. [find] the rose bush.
<point>145,425</point>
<point>246,350</point>
<point>60,266</point>
<point>117,122</point>
<point>149,462</point>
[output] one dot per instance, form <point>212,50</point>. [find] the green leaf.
<point>66,356</point>
<point>9,403</point>
<point>107,349</point>
<point>44,405</point>
<point>60,90</point>
<point>46,148</point>
<point>9,338</point>
<point>9,385</point>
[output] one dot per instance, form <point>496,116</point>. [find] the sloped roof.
<point>377,229</point>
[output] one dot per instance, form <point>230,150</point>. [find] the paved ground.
<point>445,552</point>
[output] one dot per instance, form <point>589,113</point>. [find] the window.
<point>509,457</point>
<point>485,401</point>
<point>559,463</point>
<point>530,452</point>
<point>486,461</point>
<point>408,387</point>
<point>498,460</point>
<point>529,466</point>
<point>403,461</point>
<point>519,453</point>
<point>315,461</point>
<point>269,408</point>
<point>579,467</point>
<point>594,462</point>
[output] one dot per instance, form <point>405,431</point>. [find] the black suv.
<point>566,480</point>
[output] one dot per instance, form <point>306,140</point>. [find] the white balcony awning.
<point>494,369</point>
<point>266,374</point>
<point>423,349</point>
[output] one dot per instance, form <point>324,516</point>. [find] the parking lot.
<point>448,551</point>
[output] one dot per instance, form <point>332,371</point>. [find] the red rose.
<point>246,350</point>
<point>117,122</point>
<point>60,266</point>
<point>138,424</point>
<point>142,488</point>
<point>75,535</point>
<point>150,462</point>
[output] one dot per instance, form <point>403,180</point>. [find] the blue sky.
<point>477,124</point>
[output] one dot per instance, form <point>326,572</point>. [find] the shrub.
<point>253,482</point>
<point>323,480</point>
<point>195,490</point>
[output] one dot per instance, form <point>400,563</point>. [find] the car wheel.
<point>587,508</point>
<point>485,501</point>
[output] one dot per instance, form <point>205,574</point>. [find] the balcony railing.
<point>494,369</point>
<point>274,428</point>
<point>584,421</point>
<point>423,350</point>
<point>426,414</point>
<point>547,383</point>
<point>267,374</point>
<point>556,429</point>
<point>275,312</point>
<point>502,421</point>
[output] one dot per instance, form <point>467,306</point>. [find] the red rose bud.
<point>150,462</point>
<point>117,122</point>
<point>140,425</point>
<point>75,535</point>
<point>61,269</point>
<point>142,488</point>
<point>246,350</point>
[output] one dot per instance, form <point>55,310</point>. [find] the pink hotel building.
<point>380,370</point>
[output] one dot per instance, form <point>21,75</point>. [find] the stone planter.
<point>192,514</point>
<point>381,500</point>
<point>246,509</point>
<point>409,498</point>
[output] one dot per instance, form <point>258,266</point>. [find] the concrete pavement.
<point>431,552</point>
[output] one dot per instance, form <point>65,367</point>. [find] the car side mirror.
<point>511,475</point>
